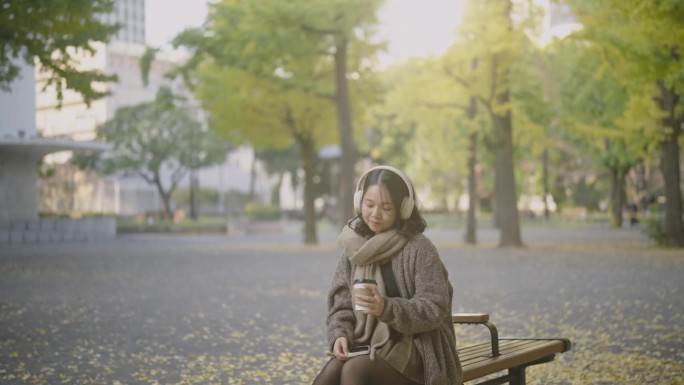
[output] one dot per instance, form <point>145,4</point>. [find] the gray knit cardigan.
<point>423,310</point>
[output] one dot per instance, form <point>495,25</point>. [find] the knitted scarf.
<point>367,254</point>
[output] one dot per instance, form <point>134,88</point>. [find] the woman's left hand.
<point>375,303</point>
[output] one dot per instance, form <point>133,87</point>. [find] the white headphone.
<point>407,204</point>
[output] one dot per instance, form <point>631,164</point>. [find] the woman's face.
<point>377,208</point>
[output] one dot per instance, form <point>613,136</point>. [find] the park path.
<point>170,309</point>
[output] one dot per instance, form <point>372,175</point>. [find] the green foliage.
<point>593,102</point>
<point>45,170</point>
<point>295,50</point>
<point>52,33</point>
<point>181,196</point>
<point>421,127</point>
<point>654,228</point>
<point>255,211</point>
<point>280,42</point>
<point>278,162</point>
<point>147,136</point>
<point>637,37</point>
<point>250,110</point>
<point>588,192</point>
<point>259,65</point>
<point>150,136</point>
<point>640,44</point>
<point>146,64</point>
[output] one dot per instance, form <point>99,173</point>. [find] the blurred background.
<point>240,116</point>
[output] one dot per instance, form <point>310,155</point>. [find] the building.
<point>120,195</point>
<point>130,14</point>
<point>78,121</point>
<point>21,148</point>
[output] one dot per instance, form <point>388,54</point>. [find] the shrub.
<point>654,229</point>
<point>262,212</point>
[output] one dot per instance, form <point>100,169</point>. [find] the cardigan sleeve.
<point>340,320</point>
<point>429,303</point>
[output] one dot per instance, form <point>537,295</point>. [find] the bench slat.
<point>478,350</point>
<point>484,354</point>
<point>483,351</point>
<point>509,349</point>
<point>514,352</point>
<point>503,343</point>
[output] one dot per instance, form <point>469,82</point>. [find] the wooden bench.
<point>513,355</point>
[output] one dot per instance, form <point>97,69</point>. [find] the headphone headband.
<point>406,207</point>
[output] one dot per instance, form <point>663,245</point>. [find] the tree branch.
<point>467,85</point>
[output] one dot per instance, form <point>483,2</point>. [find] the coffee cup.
<point>361,289</point>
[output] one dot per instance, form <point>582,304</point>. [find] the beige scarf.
<point>367,255</point>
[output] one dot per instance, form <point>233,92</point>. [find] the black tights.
<point>360,370</point>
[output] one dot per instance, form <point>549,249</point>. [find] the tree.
<point>491,36</point>
<point>391,127</point>
<point>593,102</point>
<point>208,150</point>
<point>418,128</point>
<point>339,25</point>
<point>51,33</point>
<point>249,109</point>
<point>472,126</point>
<point>270,39</point>
<point>643,42</point>
<point>151,137</point>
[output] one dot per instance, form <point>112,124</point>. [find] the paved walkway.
<point>168,309</point>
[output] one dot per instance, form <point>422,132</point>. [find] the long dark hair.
<point>398,191</point>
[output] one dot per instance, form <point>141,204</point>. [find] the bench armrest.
<point>483,319</point>
<point>470,318</point>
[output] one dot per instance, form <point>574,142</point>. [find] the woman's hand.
<point>375,303</point>
<point>341,349</point>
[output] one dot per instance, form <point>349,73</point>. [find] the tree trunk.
<point>471,221</point>
<point>545,182</point>
<point>344,124</point>
<point>194,190</point>
<point>506,201</point>
<point>669,166</point>
<point>165,196</point>
<point>471,224</point>
<point>617,195</point>
<point>506,197</point>
<point>309,165</point>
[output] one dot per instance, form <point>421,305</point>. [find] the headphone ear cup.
<point>406,208</point>
<point>357,200</point>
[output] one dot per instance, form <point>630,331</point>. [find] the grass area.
<point>201,224</point>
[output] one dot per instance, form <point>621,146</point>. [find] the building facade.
<point>130,14</point>
<point>73,190</point>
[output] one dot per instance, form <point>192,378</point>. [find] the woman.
<point>404,334</point>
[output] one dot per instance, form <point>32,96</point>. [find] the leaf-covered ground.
<point>159,309</point>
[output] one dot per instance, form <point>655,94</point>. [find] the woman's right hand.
<point>341,349</point>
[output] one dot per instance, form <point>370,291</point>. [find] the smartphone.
<point>359,350</point>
